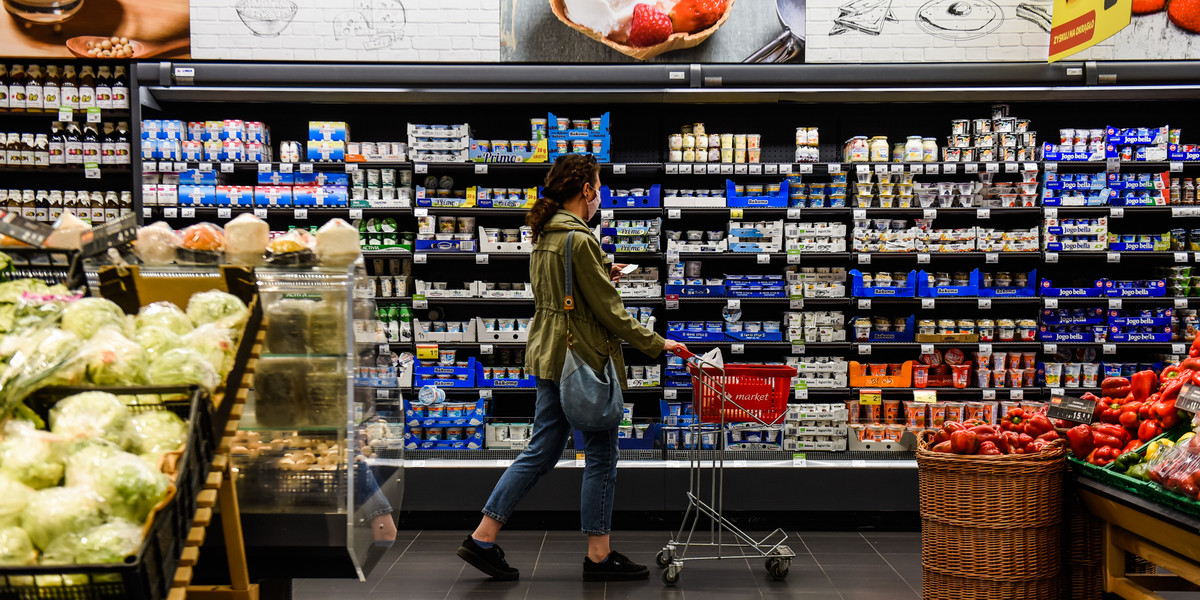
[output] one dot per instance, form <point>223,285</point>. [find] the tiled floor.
<point>828,565</point>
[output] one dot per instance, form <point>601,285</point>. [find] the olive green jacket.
<point>598,322</point>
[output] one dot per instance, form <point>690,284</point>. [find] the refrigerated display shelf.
<point>104,170</point>
<point>107,114</point>
<point>658,458</point>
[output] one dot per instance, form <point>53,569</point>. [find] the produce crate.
<point>148,575</point>
<point>49,265</point>
<point>1146,489</point>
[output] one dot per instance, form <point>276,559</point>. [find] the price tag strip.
<point>1069,408</point>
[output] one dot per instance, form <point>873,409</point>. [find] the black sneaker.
<point>489,560</point>
<point>616,568</point>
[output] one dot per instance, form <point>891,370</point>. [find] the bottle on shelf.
<point>120,89</point>
<point>33,89</point>
<point>69,92</point>
<point>3,87</point>
<point>12,150</point>
<point>96,204</point>
<point>104,89</point>
<point>27,152</point>
<point>91,144</point>
<point>108,145</point>
<point>42,206</point>
<point>16,88</point>
<point>87,88</point>
<point>70,205</point>
<point>121,144</point>
<point>393,324</point>
<point>41,150</point>
<point>13,204</point>
<point>404,315</point>
<point>1189,191</point>
<point>57,149</point>
<point>125,203</point>
<point>51,90</point>
<point>112,207</point>
<point>55,205</point>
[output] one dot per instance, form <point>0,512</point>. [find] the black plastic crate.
<point>147,576</point>
<point>291,489</point>
<point>49,265</point>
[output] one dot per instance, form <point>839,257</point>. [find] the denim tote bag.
<point>591,401</point>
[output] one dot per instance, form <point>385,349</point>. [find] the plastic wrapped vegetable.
<point>215,343</point>
<point>246,239</point>
<point>157,340</point>
<point>215,306</point>
<point>292,249</point>
<point>201,244</point>
<point>327,328</point>
<point>337,243</point>
<point>113,359</point>
<point>156,244</point>
<point>182,366</point>
<point>14,495</point>
<point>61,550</point>
<point>108,543</point>
<point>129,486</point>
<point>47,357</point>
<point>287,331</point>
<point>30,456</point>
<point>154,432</point>
<point>91,414</point>
<point>59,511</point>
<point>165,315</point>
<point>83,458</point>
<point>85,316</point>
<point>16,549</point>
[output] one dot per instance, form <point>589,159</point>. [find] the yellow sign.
<point>1077,25</point>
<point>925,395</point>
<point>870,397</point>
<point>427,351</point>
<point>540,152</point>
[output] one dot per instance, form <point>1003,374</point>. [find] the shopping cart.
<point>730,394</point>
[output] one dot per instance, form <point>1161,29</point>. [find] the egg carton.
<point>810,230</point>
<point>802,413</point>
<point>799,431</point>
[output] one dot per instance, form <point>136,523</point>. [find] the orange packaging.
<point>894,432</point>
<point>954,356</point>
<point>961,375</point>
<point>895,368</point>
<point>858,431</point>
<point>1016,376</point>
<point>872,413</point>
<point>915,414</point>
<point>891,411</point>
<point>937,413</point>
<point>877,433</point>
<point>853,411</point>
<point>877,370</point>
<point>1027,376</point>
<point>920,375</point>
<point>954,411</point>
<point>973,411</point>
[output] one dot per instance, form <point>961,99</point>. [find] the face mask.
<point>592,206</point>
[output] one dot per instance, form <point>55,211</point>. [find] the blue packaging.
<point>275,178</point>
<point>198,177</point>
<point>269,195</point>
<point>197,195</point>
<point>322,178</point>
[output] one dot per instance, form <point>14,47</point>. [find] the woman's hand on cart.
<point>677,348</point>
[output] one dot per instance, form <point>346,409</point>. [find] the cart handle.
<point>684,353</point>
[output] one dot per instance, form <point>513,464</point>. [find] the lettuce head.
<point>182,366</point>
<point>215,306</point>
<point>165,315</point>
<point>16,549</point>
<point>91,414</point>
<point>85,316</point>
<point>58,511</point>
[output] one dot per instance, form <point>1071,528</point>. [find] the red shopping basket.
<point>751,392</point>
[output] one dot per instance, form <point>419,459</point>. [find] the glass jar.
<point>914,151</point>
<point>879,149</point>
<point>858,150</point>
<point>930,149</point>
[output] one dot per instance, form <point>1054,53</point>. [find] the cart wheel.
<point>670,575</point>
<point>771,563</point>
<point>779,570</point>
<point>663,559</point>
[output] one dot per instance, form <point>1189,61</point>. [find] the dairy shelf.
<point>104,170</point>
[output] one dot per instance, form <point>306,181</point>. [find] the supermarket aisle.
<point>829,566</point>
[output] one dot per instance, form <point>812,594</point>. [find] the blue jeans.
<point>550,431</point>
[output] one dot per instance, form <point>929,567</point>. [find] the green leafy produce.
<point>16,549</point>
<point>215,306</point>
<point>155,432</point>
<point>46,357</point>
<point>85,316</point>
<point>114,360</point>
<point>83,460</point>
<point>108,543</point>
<point>182,366</point>
<point>28,456</point>
<point>129,486</point>
<point>57,511</point>
<point>61,550</point>
<point>165,315</point>
<point>14,495</point>
<point>215,343</point>
<point>157,340</point>
<point>91,414</point>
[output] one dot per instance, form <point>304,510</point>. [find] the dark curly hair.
<point>564,181</point>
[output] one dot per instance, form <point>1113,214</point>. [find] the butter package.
<point>195,195</point>
<point>198,177</point>
<point>322,178</point>
<point>193,151</point>
<point>270,195</point>
<point>149,194</point>
<point>233,151</point>
<point>168,195</point>
<point>235,195</point>
<point>326,151</point>
<point>276,178</point>
<point>328,131</point>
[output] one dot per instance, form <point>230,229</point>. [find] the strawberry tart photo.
<point>644,28</point>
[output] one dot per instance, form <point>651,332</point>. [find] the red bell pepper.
<point>1110,410</point>
<point>1115,387</point>
<point>989,449</point>
<point>1009,442</point>
<point>1190,363</point>
<point>1038,425</point>
<point>1049,436</point>
<point>1194,351</point>
<point>1148,430</point>
<point>1081,441</point>
<point>1133,444</point>
<point>943,447</point>
<point>1090,396</point>
<point>1169,372</point>
<point>939,437</point>
<point>1013,420</point>
<point>986,433</point>
<point>1129,415</point>
<point>1035,446</point>
<point>1114,430</point>
<point>964,442</point>
<point>1142,384</point>
<point>952,426</point>
<point>1102,455</point>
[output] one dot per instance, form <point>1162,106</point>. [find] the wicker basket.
<point>1084,541</point>
<point>991,526</point>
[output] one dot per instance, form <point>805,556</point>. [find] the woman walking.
<point>597,324</point>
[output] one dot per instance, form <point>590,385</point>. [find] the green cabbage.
<point>61,510</point>
<point>165,315</point>
<point>14,495</point>
<point>130,487</point>
<point>91,414</point>
<point>84,458</point>
<point>16,549</point>
<point>113,359</point>
<point>61,550</point>
<point>28,456</point>
<point>85,316</point>
<point>215,343</point>
<point>47,357</point>
<point>155,432</point>
<point>108,543</point>
<point>156,340</point>
<point>215,306</point>
<point>182,366</point>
